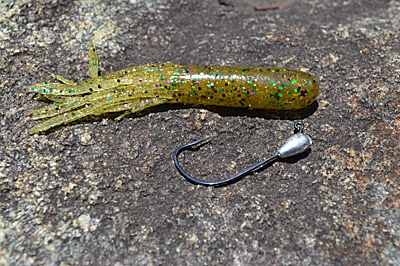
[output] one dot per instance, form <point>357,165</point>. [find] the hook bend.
<point>214,183</point>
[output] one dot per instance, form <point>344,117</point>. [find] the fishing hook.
<point>294,145</point>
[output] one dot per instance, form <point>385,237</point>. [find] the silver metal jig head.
<point>294,145</point>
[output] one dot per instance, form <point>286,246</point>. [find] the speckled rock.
<point>101,192</point>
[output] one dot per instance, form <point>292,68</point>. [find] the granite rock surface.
<point>102,192</point>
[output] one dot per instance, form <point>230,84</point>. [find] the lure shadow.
<point>296,158</point>
<point>232,111</point>
<point>267,114</point>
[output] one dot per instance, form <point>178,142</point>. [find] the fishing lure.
<point>136,88</point>
<point>294,145</point>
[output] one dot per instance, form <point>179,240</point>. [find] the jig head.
<point>294,145</point>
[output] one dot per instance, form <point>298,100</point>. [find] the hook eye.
<point>298,127</point>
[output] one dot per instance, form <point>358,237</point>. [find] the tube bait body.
<point>134,89</point>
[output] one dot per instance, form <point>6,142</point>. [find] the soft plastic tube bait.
<point>136,88</point>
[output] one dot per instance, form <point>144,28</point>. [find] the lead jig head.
<point>294,145</point>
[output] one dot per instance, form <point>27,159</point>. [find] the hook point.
<point>199,141</point>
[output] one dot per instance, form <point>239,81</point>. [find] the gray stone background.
<point>102,192</point>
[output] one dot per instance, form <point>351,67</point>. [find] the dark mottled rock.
<point>102,192</point>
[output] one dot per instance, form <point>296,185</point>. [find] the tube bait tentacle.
<point>140,87</point>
